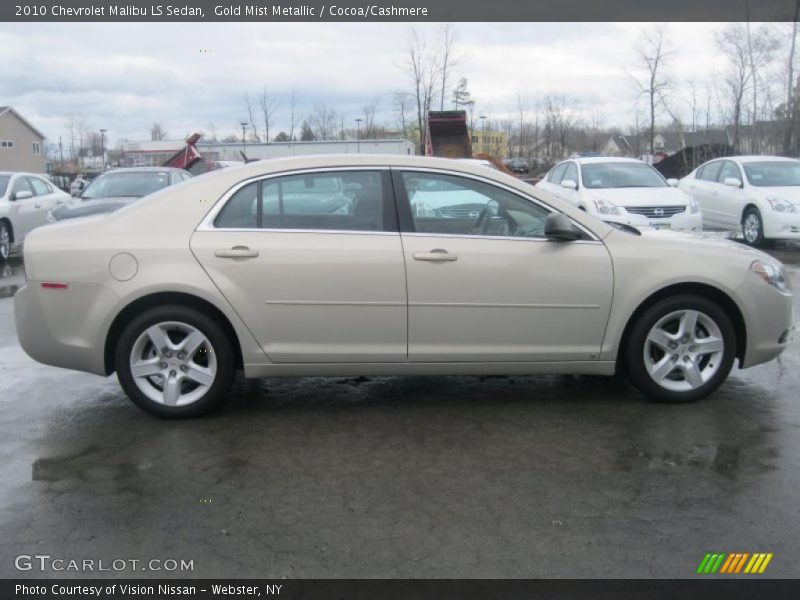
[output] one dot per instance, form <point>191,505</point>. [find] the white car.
<point>321,266</point>
<point>623,190</point>
<point>25,200</point>
<point>758,196</point>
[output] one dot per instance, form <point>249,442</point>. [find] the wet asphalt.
<point>400,476</point>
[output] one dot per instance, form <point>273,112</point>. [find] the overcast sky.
<point>124,77</point>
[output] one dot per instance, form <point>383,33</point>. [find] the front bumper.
<point>685,221</point>
<point>782,226</point>
<point>769,318</point>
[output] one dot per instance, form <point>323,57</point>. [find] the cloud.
<point>125,76</point>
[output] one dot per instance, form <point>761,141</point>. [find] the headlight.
<point>694,207</point>
<point>770,273</point>
<point>781,205</point>
<point>604,207</point>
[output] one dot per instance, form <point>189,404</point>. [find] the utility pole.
<point>358,137</point>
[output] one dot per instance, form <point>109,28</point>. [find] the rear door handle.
<point>437,255</point>
<point>236,252</point>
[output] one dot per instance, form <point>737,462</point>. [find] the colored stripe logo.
<point>734,563</point>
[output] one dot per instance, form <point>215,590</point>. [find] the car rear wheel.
<point>5,241</point>
<point>174,362</point>
<point>681,349</point>
<point>753,227</point>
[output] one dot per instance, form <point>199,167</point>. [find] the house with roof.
<point>21,144</point>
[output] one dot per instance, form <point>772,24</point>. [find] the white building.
<point>153,153</point>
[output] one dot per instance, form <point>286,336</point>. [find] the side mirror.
<point>733,182</point>
<point>558,227</point>
<point>569,184</point>
<point>672,182</point>
<point>22,195</point>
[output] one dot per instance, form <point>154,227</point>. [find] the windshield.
<point>126,184</point>
<point>621,175</point>
<point>773,174</point>
<point>4,179</point>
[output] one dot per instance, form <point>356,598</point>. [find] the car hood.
<point>666,196</point>
<point>701,240</point>
<point>789,192</point>
<point>83,208</point>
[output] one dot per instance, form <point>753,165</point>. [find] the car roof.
<point>143,170</point>
<point>324,161</point>
<point>588,160</point>
<point>10,173</point>
<point>753,158</point>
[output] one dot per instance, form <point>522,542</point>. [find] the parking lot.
<point>400,477</point>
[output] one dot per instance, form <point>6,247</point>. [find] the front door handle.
<point>236,252</point>
<point>436,255</point>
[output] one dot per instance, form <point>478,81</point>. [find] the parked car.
<point>624,190</point>
<point>179,290</point>
<point>80,182</point>
<point>25,200</point>
<point>758,196</point>
<point>115,189</point>
<point>518,165</point>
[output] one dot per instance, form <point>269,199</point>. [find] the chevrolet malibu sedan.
<point>623,190</point>
<point>322,266</point>
<point>758,196</point>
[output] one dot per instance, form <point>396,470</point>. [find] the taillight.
<point>53,285</point>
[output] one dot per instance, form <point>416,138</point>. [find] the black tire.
<point>222,349</point>
<point>635,348</point>
<point>5,241</point>
<point>757,238</point>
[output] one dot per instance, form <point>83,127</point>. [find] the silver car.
<point>323,266</point>
<point>25,201</point>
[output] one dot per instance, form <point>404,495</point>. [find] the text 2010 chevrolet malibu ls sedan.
<point>327,266</point>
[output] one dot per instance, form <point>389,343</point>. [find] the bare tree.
<point>323,121</point>
<point>732,42</point>
<point>423,71</point>
<point>449,37</point>
<point>251,118</point>
<point>157,132</point>
<point>402,104</point>
<point>369,111</point>
<point>654,57</point>
<point>761,48</point>
<point>596,119</point>
<point>269,104</point>
<point>790,111</point>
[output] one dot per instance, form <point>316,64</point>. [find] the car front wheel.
<point>174,362</point>
<point>681,349</point>
<point>5,242</point>
<point>753,227</point>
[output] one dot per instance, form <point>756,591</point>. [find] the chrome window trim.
<point>207,224</point>
<point>516,192</point>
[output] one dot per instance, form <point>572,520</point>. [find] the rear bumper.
<point>64,328</point>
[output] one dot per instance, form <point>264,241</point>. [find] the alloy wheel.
<point>751,228</point>
<point>173,363</point>
<point>5,242</point>
<point>683,350</point>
